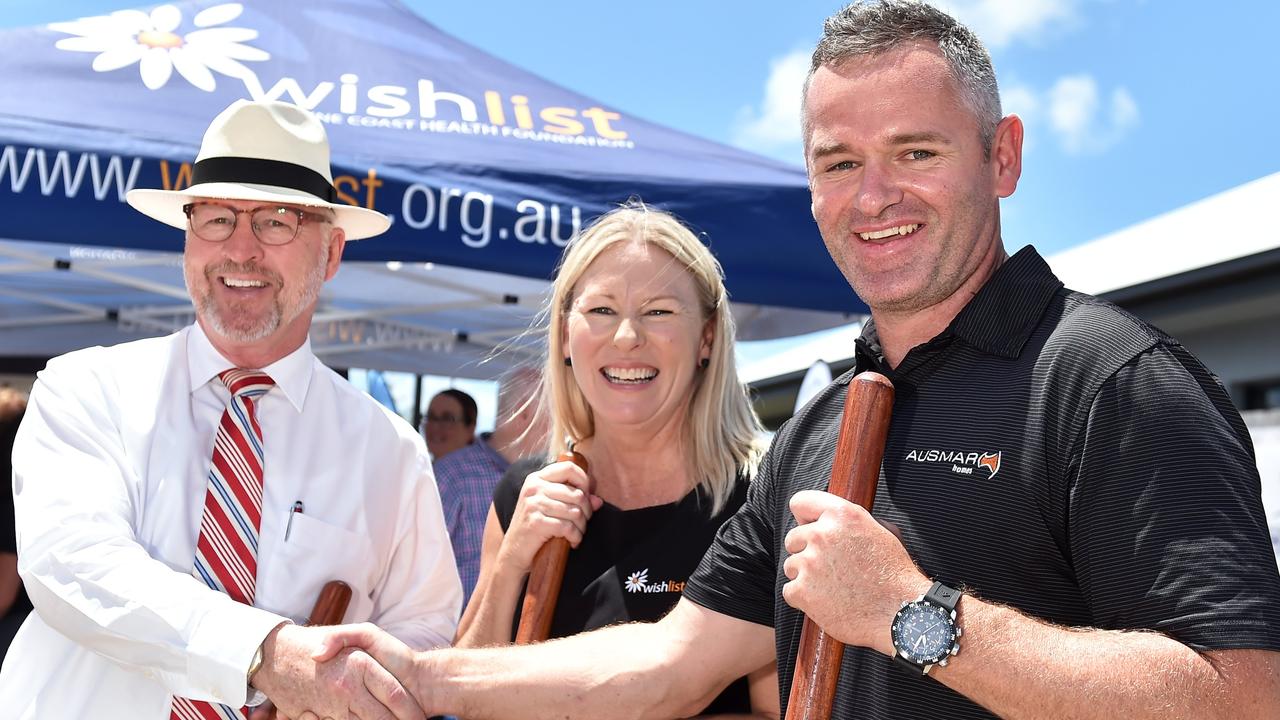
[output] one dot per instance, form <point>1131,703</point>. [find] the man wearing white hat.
<point>180,501</point>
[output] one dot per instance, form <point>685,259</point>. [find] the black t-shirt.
<point>1047,451</point>
<point>632,565</point>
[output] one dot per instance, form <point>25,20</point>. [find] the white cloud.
<point>1001,22</point>
<point>1079,119</point>
<point>1073,103</point>
<point>1124,109</point>
<point>1073,110</point>
<point>1022,100</point>
<point>775,125</point>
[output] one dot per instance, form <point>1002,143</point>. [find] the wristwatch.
<point>925,632</point>
<point>254,665</point>
<point>255,696</point>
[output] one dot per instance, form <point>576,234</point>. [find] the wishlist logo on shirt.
<point>961,462</point>
<point>638,582</point>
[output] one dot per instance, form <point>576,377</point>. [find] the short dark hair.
<point>468,403</point>
<point>872,27</point>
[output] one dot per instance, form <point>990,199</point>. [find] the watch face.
<point>923,633</point>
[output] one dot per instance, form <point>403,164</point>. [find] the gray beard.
<point>207,309</point>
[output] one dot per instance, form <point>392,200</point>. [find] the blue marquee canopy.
<point>481,165</point>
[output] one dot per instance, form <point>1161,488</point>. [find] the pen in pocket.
<point>288,526</point>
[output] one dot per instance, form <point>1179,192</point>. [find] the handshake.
<point>347,671</point>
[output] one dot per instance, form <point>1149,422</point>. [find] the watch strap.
<point>911,666</point>
<point>943,596</point>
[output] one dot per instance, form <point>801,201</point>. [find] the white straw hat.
<point>270,151</point>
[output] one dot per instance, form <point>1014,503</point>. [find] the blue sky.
<point>1133,107</point>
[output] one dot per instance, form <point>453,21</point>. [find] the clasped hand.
<point>314,673</point>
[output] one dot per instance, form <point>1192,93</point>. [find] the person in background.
<point>450,422</point>
<point>180,501</point>
<point>14,603</point>
<point>468,476</point>
<point>640,374</point>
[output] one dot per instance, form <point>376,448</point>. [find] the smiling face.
<point>636,332</point>
<point>445,427</point>
<point>903,193</point>
<point>256,298</point>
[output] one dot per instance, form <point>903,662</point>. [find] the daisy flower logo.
<point>637,580</point>
<point>152,40</point>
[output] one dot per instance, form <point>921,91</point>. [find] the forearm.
<point>586,676</point>
<point>1019,667</point>
<point>671,668</point>
<point>488,617</point>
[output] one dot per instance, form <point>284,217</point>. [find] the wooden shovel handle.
<point>853,477</point>
<point>331,604</point>
<point>545,576</point>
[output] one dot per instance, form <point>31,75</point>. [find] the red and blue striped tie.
<point>227,549</point>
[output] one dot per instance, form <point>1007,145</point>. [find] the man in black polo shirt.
<point>1070,486</point>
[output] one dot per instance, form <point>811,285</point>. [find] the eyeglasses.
<point>445,419</point>
<point>272,224</point>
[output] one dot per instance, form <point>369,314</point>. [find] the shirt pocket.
<point>315,553</point>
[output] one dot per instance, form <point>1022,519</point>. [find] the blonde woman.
<point>640,375</point>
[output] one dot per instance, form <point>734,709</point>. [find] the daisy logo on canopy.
<point>151,40</point>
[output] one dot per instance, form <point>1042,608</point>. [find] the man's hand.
<point>848,572</point>
<point>347,683</point>
<point>390,653</point>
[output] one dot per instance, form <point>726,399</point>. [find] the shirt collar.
<point>867,353</point>
<point>291,373</point>
<point>1004,313</point>
<point>999,319</point>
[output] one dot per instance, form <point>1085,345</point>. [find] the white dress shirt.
<point>110,470</point>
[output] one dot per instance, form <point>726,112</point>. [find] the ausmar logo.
<point>157,43</point>
<point>152,41</point>
<point>961,462</point>
<point>638,582</point>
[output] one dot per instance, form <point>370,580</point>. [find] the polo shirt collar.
<point>1001,317</point>
<point>291,373</point>
<point>998,320</point>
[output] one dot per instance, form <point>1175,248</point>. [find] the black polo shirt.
<point>1048,451</point>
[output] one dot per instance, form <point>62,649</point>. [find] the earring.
<point>568,362</point>
<point>705,363</point>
